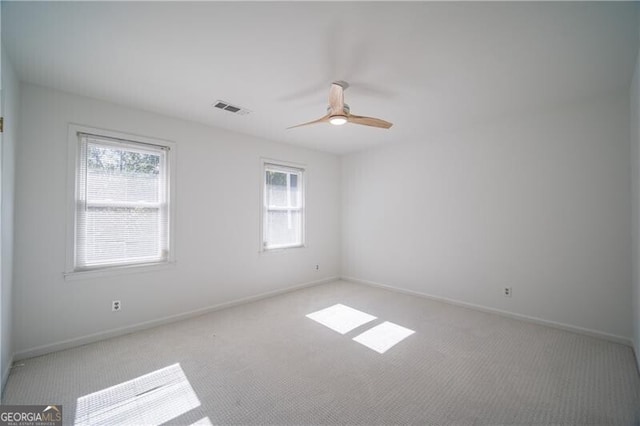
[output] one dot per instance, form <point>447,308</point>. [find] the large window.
<point>283,208</point>
<point>122,198</point>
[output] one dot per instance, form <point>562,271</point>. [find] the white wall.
<point>217,230</point>
<point>634,116</point>
<point>10,99</point>
<point>539,203</point>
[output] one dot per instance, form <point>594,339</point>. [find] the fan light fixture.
<point>338,120</point>
<point>339,113</point>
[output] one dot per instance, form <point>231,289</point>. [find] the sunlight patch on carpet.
<point>383,337</point>
<point>341,318</point>
<point>152,399</point>
<point>203,422</point>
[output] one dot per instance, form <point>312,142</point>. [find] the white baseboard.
<point>5,376</point>
<point>593,333</point>
<point>95,337</point>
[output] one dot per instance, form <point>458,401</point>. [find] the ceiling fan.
<point>339,113</point>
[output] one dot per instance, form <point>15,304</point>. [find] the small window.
<point>283,207</point>
<point>122,195</point>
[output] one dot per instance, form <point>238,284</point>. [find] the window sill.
<point>281,249</point>
<point>117,270</point>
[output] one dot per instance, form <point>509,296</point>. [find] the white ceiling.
<point>426,67</point>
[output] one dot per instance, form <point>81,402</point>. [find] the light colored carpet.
<point>268,363</point>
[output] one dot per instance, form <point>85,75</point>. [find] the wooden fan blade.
<point>336,99</point>
<point>369,121</point>
<point>319,120</point>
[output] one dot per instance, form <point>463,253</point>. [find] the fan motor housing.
<point>345,110</point>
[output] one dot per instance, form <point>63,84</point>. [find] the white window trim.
<point>70,272</point>
<point>264,162</point>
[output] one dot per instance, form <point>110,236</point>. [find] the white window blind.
<point>122,212</point>
<point>283,212</point>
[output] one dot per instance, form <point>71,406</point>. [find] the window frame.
<point>74,158</point>
<point>284,166</point>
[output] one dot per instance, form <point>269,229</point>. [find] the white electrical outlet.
<point>317,267</point>
<point>116,305</point>
<point>507,292</point>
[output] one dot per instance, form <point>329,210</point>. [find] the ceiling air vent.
<point>224,105</point>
